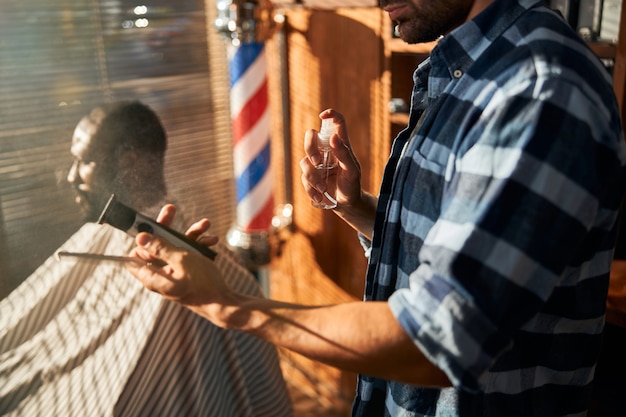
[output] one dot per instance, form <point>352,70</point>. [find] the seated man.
<point>84,338</point>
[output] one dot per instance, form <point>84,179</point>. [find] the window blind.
<point>60,59</point>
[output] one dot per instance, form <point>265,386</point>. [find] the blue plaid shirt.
<point>495,226</point>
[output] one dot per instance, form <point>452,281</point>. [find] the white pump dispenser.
<point>323,144</point>
<point>326,131</point>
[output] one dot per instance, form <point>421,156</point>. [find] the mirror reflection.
<point>60,61</point>
<point>105,97</point>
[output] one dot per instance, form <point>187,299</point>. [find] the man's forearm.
<point>359,337</point>
<point>360,216</point>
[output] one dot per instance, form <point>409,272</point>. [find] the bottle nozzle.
<point>326,131</point>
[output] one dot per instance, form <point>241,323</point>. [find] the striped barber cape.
<point>84,338</point>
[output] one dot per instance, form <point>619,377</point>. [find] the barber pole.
<point>246,25</point>
<point>251,136</point>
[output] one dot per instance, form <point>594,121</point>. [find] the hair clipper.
<point>130,221</point>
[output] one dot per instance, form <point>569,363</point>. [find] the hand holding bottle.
<point>331,174</point>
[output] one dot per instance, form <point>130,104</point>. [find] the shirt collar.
<point>459,48</point>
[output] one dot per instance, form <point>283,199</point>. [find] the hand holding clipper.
<point>130,221</point>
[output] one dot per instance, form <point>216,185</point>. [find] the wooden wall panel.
<point>335,59</point>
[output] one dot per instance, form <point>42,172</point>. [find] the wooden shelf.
<point>604,50</point>
<point>399,118</point>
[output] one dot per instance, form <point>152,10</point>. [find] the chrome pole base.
<point>252,247</point>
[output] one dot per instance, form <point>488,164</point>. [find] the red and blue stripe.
<point>251,137</point>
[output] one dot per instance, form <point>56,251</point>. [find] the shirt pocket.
<point>431,155</point>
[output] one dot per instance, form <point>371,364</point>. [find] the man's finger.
<point>155,247</point>
<point>198,228</point>
<point>166,215</point>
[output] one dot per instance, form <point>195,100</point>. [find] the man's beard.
<point>433,20</point>
<point>91,205</point>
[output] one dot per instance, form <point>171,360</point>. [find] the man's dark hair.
<point>130,125</point>
<point>131,128</point>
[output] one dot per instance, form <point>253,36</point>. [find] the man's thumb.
<point>153,245</point>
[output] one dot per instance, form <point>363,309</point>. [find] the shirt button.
<point>457,73</point>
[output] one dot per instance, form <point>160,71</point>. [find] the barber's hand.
<point>349,170</point>
<point>188,278</point>
<point>194,232</point>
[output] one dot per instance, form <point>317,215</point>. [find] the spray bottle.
<point>328,165</point>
